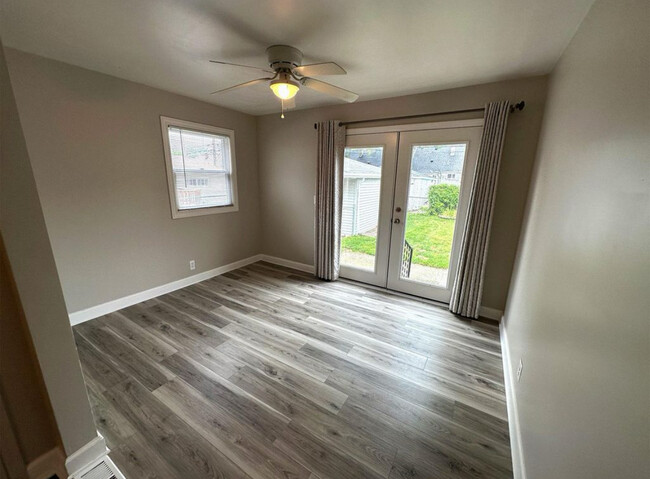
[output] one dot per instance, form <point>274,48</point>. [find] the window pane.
<point>361,190</point>
<point>201,168</point>
<point>434,190</point>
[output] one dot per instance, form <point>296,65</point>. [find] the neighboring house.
<point>451,177</point>
<point>362,181</point>
<point>201,187</point>
<point>361,187</point>
<point>430,165</point>
<point>434,165</point>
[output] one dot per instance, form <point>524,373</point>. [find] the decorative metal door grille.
<point>407,256</point>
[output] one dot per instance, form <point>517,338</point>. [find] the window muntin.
<point>200,167</point>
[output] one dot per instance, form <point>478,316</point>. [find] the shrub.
<point>448,214</point>
<point>443,197</point>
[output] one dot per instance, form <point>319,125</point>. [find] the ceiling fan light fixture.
<point>290,75</point>
<point>284,87</point>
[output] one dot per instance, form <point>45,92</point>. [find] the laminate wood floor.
<point>266,372</point>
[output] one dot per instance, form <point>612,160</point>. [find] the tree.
<point>443,197</point>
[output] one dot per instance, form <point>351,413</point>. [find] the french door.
<point>405,201</point>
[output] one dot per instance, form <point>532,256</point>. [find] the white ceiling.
<point>388,47</point>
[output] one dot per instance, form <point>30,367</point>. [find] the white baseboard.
<point>120,303</point>
<point>117,304</point>
<point>307,268</point>
<point>490,313</point>
<point>48,464</point>
<point>87,455</point>
<point>518,467</point>
<point>392,292</point>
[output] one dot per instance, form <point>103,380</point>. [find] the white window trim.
<point>165,123</point>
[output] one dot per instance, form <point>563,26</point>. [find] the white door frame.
<point>388,165</point>
<point>471,136</point>
<point>394,189</point>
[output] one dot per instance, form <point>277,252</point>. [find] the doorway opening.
<point>405,199</point>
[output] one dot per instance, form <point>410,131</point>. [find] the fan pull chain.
<point>282,103</point>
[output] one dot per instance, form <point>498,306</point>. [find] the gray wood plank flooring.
<point>266,372</point>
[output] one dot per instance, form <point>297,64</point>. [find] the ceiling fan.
<point>288,75</point>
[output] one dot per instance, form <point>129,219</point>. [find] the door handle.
<point>396,221</point>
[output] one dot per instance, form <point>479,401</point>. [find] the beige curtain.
<point>331,148</point>
<point>468,283</point>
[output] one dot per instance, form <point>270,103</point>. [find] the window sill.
<point>176,214</point>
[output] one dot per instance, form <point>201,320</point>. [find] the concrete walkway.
<point>420,273</point>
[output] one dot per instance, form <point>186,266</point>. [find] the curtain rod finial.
<point>518,106</point>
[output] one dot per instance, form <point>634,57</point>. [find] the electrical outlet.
<point>520,368</point>
<point>192,265</point>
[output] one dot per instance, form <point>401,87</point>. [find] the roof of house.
<point>427,159</point>
<point>356,169</point>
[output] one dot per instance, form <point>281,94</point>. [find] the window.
<point>197,181</point>
<point>200,162</point>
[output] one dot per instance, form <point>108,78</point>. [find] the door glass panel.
<point>360,215</point>
<point>434,190</point>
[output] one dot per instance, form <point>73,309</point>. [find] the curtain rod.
<point>517,106</point>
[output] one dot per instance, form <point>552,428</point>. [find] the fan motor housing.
<point>284,57</point>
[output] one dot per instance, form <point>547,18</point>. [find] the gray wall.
<point>22,389</point>
<point>578,307</point>
<point>287,157</point>
<point>96,148</point>
<point>30,256</point>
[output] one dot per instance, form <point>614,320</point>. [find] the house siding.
<point>368,204</point>
<point>348,217</point>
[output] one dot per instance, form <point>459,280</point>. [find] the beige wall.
<point>287,157</point>
<point>22,391</point>
<point>96,148</point>
<point>578,309</point>
<point>30,256</point>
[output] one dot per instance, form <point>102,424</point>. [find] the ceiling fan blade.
<point>329,89</point>
<point>242,85</point>
<point>266,70</point>
<point>315,69</point>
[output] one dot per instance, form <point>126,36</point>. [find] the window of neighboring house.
<point>451,175</point>
<point>197,182</point>
<point>200,163</point>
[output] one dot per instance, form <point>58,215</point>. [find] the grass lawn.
<point>429,236</point>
